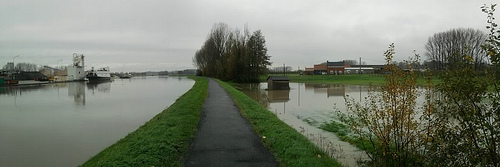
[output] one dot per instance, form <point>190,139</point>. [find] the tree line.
<point>445,48</point>
<point>230,54</point>
<point>21,67</point>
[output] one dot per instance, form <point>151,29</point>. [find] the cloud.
<point>163,35</point>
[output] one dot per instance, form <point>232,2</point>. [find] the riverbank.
<point>289,147</point>
<point>166,138</point>
<point>162,141</point>
<point>31,82</point>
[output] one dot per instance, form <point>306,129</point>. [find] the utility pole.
<point>359,65</point>
<point>284,70</point>
<point>57,66</point>
<point>14,64</point>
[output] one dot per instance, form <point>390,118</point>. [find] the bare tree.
<point>232,55</point>
<point>26,67</point>
<point>445,49</point>
<point>350,62</point>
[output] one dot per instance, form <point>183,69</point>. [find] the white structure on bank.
<point>76,71</point>
<point>359,70</point>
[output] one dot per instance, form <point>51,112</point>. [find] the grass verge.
<point>352,79</point>
<point>162,141</point>
<point>289,147</point>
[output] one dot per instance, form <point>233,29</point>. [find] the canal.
<point>64,124</point>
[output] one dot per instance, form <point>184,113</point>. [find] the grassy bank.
<point>162,141</point>
<point>352,79</point>
<point>289,146</point>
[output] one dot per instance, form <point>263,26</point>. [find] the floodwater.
<point>306,106</point>
<point>65,124</point>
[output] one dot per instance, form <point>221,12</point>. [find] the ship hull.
<point>99,75</point>
<point>98,78</point>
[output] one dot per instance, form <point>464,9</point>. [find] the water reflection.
<point>278,96</point>
<point>339,90</point>
<point>99,86</point>
<point>77,90</point>
<point>65,124</point>
<point>255,92</point>
<point>329,90</point>
<point>311,99</point>
<point>19,90</point>
<point>306,106</point>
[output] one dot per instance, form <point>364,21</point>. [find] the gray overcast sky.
<point>144,35</point>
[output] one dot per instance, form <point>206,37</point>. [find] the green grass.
<point>352,79</point>
<point>289,147</point>
<point>345,134</point>
<point>162,141</point>
<point>339,129</point>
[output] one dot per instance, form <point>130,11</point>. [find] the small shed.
<point>278,83</point>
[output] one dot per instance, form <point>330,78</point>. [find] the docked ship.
<point>101,74</point>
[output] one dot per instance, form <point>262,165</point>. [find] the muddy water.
<point>306,106</point>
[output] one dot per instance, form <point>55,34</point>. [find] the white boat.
<point>101,74</point>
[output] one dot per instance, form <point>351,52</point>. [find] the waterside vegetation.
<point>457,125</point>
<point>288,146</point>
<point>162,141</point>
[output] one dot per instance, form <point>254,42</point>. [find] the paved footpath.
<point>224,137</point>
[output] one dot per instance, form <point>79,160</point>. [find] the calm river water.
<point>65,124</point>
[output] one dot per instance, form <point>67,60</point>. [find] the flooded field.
<point>316,102</point>
<point>306,106</point>
<point>65,124</point>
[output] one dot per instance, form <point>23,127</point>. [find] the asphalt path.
<point>224,137</point>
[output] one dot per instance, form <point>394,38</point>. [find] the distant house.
<point>340,67</point>
<point>364,69</point>
<point>332,68</point>
<point>359,70</point>
<point>278,83</point>
<point>336,68</point>
<point>309,71</point>
<point>320,69</point>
